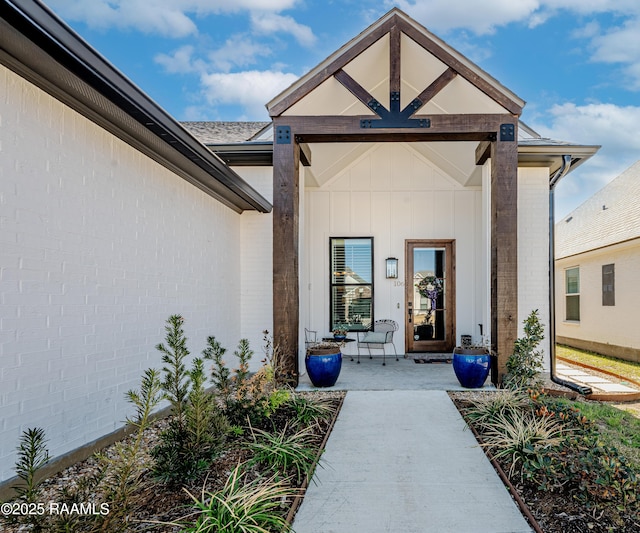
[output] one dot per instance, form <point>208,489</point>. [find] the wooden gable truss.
<point>496,134</point>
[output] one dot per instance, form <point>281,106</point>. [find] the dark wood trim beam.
<point>286,224</point>
<point>359,92</point>
<point>459,67</point>
<point>434,88</point>
<point>477,127</point>
<point>394,59</point>
<point>483,152</point>
<point>327,71</point>
<point>504,250</point>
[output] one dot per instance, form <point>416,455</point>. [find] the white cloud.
<point>248,89</point>
<point>170,18</point>
<point>239,51</point>
<point>149,16</point>
<point>612,127</point>
<point>443,15</point>
<point>269,23</point>
<point>181,61</point>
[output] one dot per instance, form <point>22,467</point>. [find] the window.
<point>351,283</point>
<point>608,285</point>
<point>572,293</point>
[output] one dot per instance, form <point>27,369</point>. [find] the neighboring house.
<point>598,271</point>
<point>114,216</point>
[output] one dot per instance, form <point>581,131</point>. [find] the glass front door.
<point>430,291</point>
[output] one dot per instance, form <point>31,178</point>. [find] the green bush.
<point>283,453</point>
<point>525,364</point>
<point>243,505</point>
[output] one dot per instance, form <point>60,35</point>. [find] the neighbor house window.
<point>608,285</point>
<point>572,293</point>
<point>351,296</point>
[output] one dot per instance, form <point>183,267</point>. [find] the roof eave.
<point>38,46</point>
<point>550,155</point>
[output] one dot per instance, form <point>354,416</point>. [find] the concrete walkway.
<point>401,461</point>
<point>598,384</point>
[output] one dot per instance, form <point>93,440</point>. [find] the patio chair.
<point>310,338</point>
<point>377,338</point>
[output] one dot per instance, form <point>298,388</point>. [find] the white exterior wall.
<point>616,325</point>
<point>533,250</point>
<point>98,246</point>
<point>392,193</point>
<point>256,260</point>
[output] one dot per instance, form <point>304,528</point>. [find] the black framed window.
<point>351,283</point>
<point>609,284</point>
<point>572,293</point>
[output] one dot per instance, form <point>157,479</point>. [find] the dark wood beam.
<point>504,249</point>
<point>328,70</point>
<point>479,127</point>
<point>394,59</point>
<point>483,152</point>
<point>286,224</point>
<point>434,88</point>
<point>356,89</point>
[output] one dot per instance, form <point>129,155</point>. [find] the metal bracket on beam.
<point>283,135</point>
<point>507,132</point>
<point>375,105</point>
<point>367,123</point>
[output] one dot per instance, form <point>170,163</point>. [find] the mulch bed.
<point>157,505</point>
<point>558,511</point>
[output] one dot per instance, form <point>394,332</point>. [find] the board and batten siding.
<point>393,193</point>
<point>99,244</point>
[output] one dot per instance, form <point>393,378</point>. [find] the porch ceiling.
<point>456,159</point>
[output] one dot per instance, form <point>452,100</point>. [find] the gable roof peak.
<point>394,20</point>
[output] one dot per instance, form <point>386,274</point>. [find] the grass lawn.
<point>611,364</point>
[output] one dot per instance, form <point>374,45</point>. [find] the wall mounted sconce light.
<point>392,267</point>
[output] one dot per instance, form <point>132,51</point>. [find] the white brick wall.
<point>533,249</point>
<point>256,264</point>
<point>98,246</point>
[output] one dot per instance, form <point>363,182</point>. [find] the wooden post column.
<point>286,191</point>
<point>504,245</point>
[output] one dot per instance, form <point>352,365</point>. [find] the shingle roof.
<point>610,216</point>
<point>224,132</point>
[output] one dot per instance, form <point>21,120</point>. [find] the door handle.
<point>410,311</point>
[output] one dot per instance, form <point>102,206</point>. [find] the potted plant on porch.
<point>323,362</point>
<point>472,364</point>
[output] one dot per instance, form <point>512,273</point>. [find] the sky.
<point>575,62</point>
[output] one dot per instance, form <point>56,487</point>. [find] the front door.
<point>430,295</point>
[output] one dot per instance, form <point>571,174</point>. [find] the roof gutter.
<point>37,45</point>
<point>562,171</point>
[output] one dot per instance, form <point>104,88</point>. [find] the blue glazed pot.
<point>471,366</point>
<point>323,368</point>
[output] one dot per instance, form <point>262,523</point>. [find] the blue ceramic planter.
<point>323,368</point>
<point>471,366</point>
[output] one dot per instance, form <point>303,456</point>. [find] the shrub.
<point>283,453</point>
<point>488,408</point>
<point>309,411</point>
<point>176,379</point>
<point>124,472</point>
<point>187,449</point>
<point>525,364</point>
<point>522,436</point>
<point>242,506</point>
